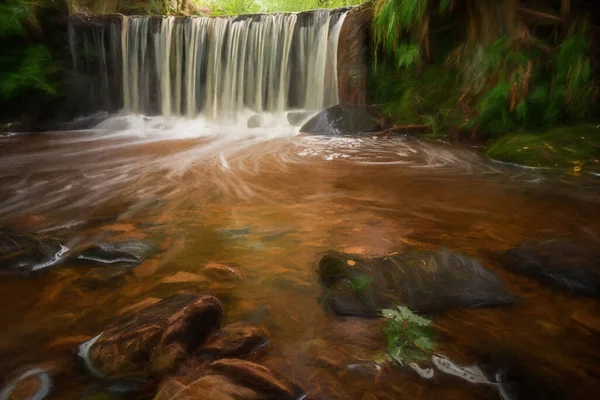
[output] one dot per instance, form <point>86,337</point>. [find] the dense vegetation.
<point>486,67</point>
<point>27,69</point>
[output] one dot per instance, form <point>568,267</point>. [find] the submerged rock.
<point>228,379</point>
<point>98,277</point>
<point>127,253</point>
<point>257,378</point>
<point>424,281</point>
<point>562,265</point>
<point>26,253</point>
<point>153,340</point>
<point>343,119</point>
<point>32,384</point>
<point>222,272</point>
<point>254,121</point>
<point>236,340</point>
<point>297,118</point>
<point>210,387</point>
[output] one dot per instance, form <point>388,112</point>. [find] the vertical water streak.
<point>178,64</point>
<point>331,73</point>
<point>284,74</point>
<point>317,60</point>
<point>163,63</point>
<point>125,58</point>
<point>192,31</point>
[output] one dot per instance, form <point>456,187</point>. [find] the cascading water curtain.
<point>217,67</point>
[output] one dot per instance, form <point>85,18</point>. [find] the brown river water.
<point>270,207</point>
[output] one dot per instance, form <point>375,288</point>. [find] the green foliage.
<point>232,7</point>
<point>408,335</point>
<point>445,5</point>
<point>13,13</point>
<point>573,72</point>
<point>25,67</point>
<point>392,19</point>
<point>407,55</point>
<point>511,76</point>
<point>27,70</point>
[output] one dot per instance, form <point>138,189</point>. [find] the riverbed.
<point>268,206</point>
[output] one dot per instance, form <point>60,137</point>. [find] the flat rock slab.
<point>561,265</point>
<point>342,120</point>
<point>20,253</point>
<point>151,341</point>
<point>128,253</point>
<point>424,281</point>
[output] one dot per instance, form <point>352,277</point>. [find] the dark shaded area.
<point>562,265</point>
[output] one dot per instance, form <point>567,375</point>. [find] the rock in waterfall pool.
<point>155,216</point>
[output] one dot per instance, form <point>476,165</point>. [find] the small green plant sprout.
<point>360,282</point>
<point>409,337</point>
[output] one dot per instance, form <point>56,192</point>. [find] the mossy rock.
<point>576,148</point>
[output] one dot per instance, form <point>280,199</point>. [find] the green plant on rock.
<point>409,336</point>
<point>360,282</point>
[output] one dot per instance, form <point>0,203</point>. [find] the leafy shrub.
<point>408,335</point>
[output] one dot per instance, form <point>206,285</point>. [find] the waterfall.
<point>214,67</point>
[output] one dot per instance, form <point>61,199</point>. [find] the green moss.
<point>576,147</point>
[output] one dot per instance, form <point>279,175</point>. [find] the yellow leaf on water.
<point>351,263</point>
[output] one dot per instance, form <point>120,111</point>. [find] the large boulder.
<point>151,341</point>
<point>561,265</point>
<point>424,281</point>
<point>343,119</point>
<point>21,253</point>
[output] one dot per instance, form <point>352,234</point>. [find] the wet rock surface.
<point>128,253</point>
<point>256,377</point>
<point>206,387</point>
<point>21,253</point>
<point>424,281</point>
<point>152,341</point>
<point>236,340</point>
<point>562,265</point>
<point>228,378</point>
<point>352,55</point>
<point>343,119</point>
